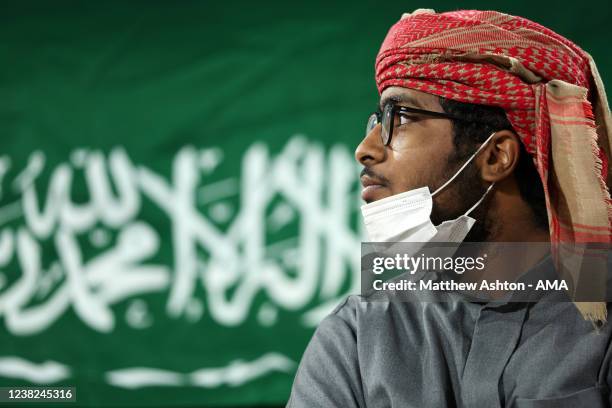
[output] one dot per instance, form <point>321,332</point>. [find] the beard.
<point>465,191</point>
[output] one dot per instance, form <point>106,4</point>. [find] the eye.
<point>405,118</point>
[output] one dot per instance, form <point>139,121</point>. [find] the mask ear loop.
<point>468,161</point>
<point>481,199</point>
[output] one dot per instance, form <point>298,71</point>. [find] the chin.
<point>375,193</point>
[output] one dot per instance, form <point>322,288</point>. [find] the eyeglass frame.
<point>391,109</point>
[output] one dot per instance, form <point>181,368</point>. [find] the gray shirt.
<point>455,353</point>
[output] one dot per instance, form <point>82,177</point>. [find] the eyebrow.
<point>400,99</point>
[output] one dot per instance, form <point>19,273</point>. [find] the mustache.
<point>382,180</point>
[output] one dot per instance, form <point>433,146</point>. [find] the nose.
<point>371,150</point>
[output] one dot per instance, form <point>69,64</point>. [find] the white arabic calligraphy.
<point>219,232</point>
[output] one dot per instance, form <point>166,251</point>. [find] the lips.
<point>371,188</point>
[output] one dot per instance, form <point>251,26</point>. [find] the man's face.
<point>417,155</point>
<point>421,153</point>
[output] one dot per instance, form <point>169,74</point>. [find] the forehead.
<point>409,97</point>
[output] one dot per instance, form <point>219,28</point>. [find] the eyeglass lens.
<point>387,123</point>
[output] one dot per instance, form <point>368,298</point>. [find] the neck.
<point>511,220</point>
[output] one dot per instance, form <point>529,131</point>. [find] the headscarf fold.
<point>554,98</point>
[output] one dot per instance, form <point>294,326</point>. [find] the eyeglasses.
<point>388,119</point>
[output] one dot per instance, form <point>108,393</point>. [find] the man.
<point>498,113</point>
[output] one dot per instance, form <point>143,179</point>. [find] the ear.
<point>499,158</point>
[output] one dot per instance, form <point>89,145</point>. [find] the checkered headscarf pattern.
<point>438,54</point>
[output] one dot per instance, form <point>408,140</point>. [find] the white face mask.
<point>405,217</point>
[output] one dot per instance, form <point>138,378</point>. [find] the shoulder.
<point>364,316</point>
<point>354,308</point>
